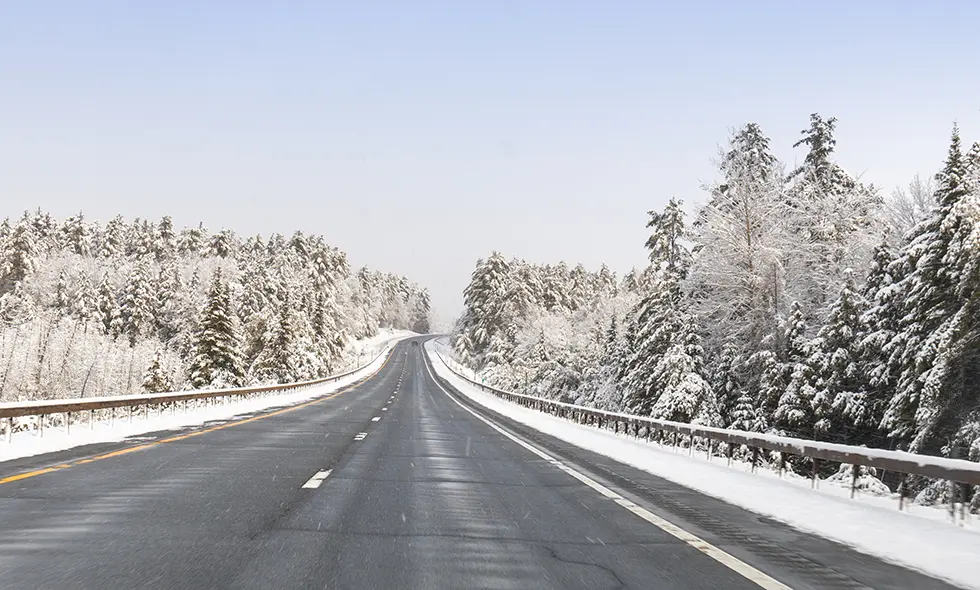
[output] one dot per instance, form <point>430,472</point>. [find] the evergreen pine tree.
<point>141,240</point>
<point>20,256</point>
<point>483,315</point>
<point>724,382</point>
<point>77,235</point>
<point>216,349</point>
<point>156,379</point>
<point>111,244</point>
<point>285,357</point>
<point>839,400</point>
<point>107,307</point>
<point>139,304</point>
<point>83,304</point>
<point>930,352</point>
<point>170,314</point>
<point>165,245</point>
<point>62,298</point>
<point>684,395</point>
<point>192,240</point>
<point>222,244</point>
<point>660,318</point>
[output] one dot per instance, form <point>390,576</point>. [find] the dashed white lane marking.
<point>375,419</point>
<point>360,436</point>
<point>760,578</point>
<point>317,479</point>
<point>384,409</point>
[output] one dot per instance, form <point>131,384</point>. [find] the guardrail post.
<point>690,446</point>
<point>91,419</point>
<point>730,451</point>
<point>710,444</point>
<point>755,458</point>
<point>782,464</point>
<point>40,426</point>
<point>901,491</point>
<point>854,479</point>
<point>964,501</point>
<point>130,414</point>
<point>952,500</point>
<point>813,473</point>
<point>67,422</point>
<point>675,441</point>
<point>10,429</point>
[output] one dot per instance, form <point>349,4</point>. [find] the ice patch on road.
<point>932,546</point>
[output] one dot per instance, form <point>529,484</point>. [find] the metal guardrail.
<point>43,408</point>
<point>959,473</point>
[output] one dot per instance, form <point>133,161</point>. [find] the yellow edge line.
<point>127,450</point>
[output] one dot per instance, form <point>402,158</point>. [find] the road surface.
<point>391,483</point>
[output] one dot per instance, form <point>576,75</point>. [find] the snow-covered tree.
<point>139,303</point>
<point>281,359</point>
<point>483,298</point>
<point>661,319</point>
<point>833,217</point>
<point>156,379</point>
<point>111,243</point>
<point>737,278</point>
<point>217,356</point>
<point>83,304</point>
<point>192,240</point>
<point>684,395</point>
<point>830,380</point>
<point>932,351</point>
<point>76,235</point>
<point>724,382</point>
<point>165,246</point>
<point>907,208</point>
<point>222,244</point>
<point>107,308</point>
<point>20,256</point>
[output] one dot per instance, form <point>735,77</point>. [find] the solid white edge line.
<point>760,578</point>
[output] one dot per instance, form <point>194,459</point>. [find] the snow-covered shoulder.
<point>912,539</point>
<point>27,443</point>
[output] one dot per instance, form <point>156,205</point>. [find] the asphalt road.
<point>391,483</point>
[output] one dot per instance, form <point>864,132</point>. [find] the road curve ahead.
<point>392,483</point>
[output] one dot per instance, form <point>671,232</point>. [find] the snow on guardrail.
<point>39,411</point>
<point>960,474</point>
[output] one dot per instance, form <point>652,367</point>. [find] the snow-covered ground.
<point>27,443</point>
<point>920,539</point>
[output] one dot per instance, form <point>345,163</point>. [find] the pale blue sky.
<point>419,136</point>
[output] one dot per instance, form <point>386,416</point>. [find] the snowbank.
<point>873,525</point>
<point>27,443</point>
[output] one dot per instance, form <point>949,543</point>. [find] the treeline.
<point>797,302</point>
<point>89,309</point>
